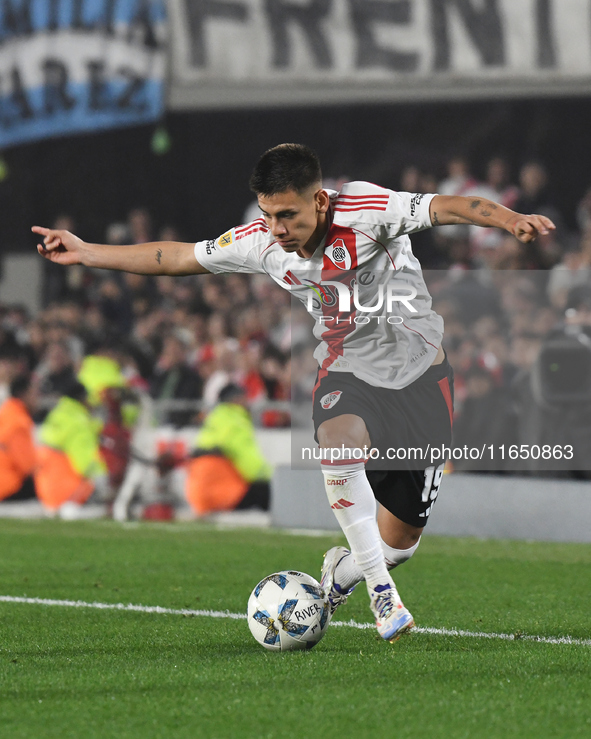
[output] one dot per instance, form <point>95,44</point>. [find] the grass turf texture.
<point>67,672</point>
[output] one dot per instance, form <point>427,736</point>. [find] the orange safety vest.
<point>17,449</point>
<point>56,481</point>
<point>213,484</point>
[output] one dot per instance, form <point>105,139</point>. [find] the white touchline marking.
<point>242,616</point>
<point>479,634</point>
<point>120,607</point>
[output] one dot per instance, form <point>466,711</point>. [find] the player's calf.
<point>347,573</point>
<point>352,501</point>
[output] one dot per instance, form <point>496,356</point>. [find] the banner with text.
<point>270,52</point>
<point>69,66</point>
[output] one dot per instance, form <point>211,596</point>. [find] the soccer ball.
<point>288,610</point>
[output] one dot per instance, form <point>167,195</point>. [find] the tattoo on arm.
<point>486,210</point>
<point>159,255</point>
<point>435,219</point>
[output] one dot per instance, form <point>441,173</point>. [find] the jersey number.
<point>433,477</point>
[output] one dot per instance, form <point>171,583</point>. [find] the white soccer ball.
<point>288,610</point>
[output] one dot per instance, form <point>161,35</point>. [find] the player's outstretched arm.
<point>154,258</point>
<point>449,209</point>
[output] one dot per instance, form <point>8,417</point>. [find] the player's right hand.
<point>59,246</point>
<point>528,228</point>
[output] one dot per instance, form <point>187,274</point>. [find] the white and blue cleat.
<point>335,593</point>
<point>392,618</point>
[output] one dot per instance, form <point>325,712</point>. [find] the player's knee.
<point>343,460</point>
<point>395,557</point>
<point>343,431</point>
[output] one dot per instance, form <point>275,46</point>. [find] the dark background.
<point>200,184</point>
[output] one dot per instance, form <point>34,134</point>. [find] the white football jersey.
<point>363,285</point>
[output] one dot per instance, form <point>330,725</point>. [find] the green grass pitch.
<point>82,672</point>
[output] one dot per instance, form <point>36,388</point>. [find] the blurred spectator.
<point>578,308</point>
<point>484,418</point>
<point>458,253</point>
<point>117,233</point>
<point>226,369</point>
<point>552,398</point>
<point>95,328</point>
<point>525,348</point>
<point>17,449</point>
<point>68,458</point>
<point>36,342</point>
<point>472,294</point>
<point>227,470</point>
<point>495,187</point>
<point>169,233</point>
<point>428,183</point>
<point>56,280</point>
<point>15,320</point>
<point>459,181</point>
<point>410,179</point>
<point>108,390</point>
<point>535,194</point>
<point>115,440</point>
<point>275,373</point>
<point>424,242</point>
<point>56,370</point>
<point>499,181</point>
<point>574,269</point>
<point>99,371</point>
<point>9,346</point>
<point>508,254</point>
<point>56,329</point>
<point>13,362</point>
<point>175,380</point>
<point>139,224</point>
<point>165,292</point>
<point>115,305</point>
<point>141,293</point>
<point>584,212</point>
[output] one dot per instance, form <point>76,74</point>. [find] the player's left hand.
<point>528,228</point>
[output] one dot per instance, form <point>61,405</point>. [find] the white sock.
<point>395,557</point>
<point>348,572</point>
<point>352,501</point>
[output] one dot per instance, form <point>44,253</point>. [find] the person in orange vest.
<point>68,456</point>
<point>227,470</point>
<point>17,446</point>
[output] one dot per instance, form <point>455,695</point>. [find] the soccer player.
<point>380,384</point>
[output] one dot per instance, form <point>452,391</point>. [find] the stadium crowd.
<point>186,338</point>
<point>175,337</point>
